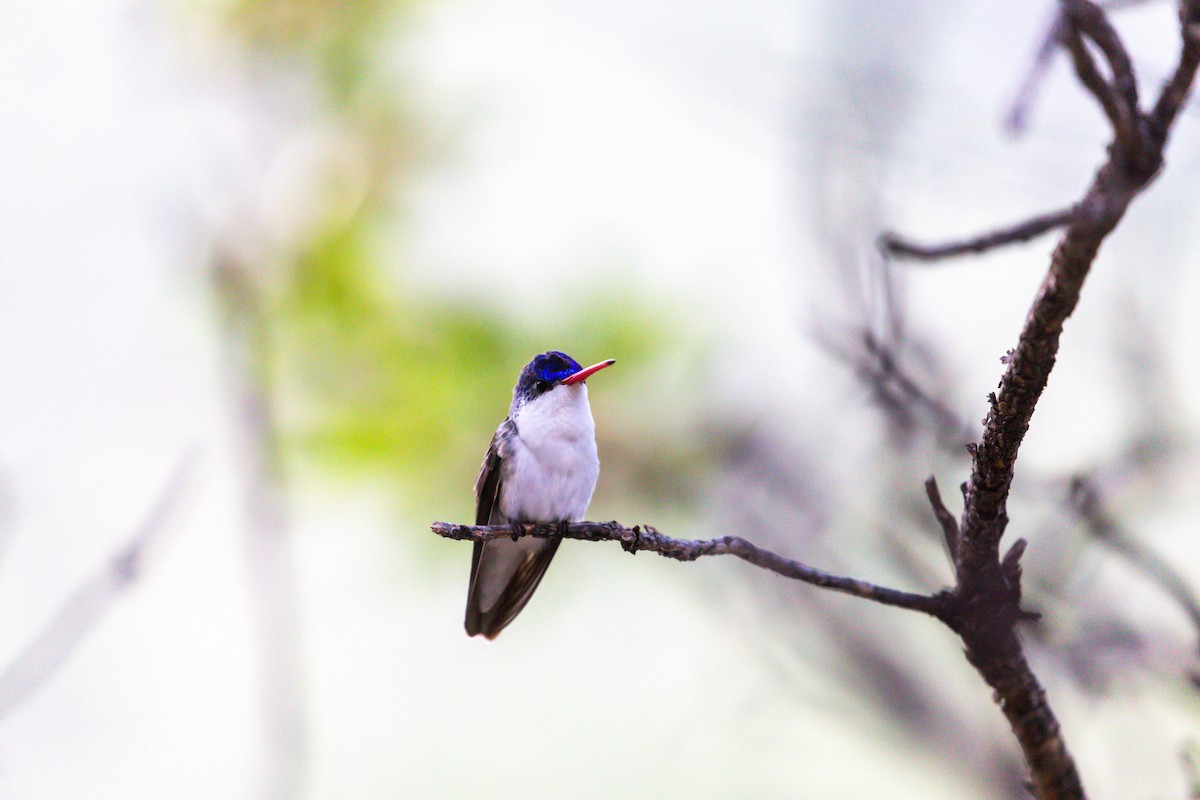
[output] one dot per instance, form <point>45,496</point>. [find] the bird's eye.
<point>544,386</point>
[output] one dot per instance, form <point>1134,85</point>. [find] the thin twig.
<point>1088,503</point>
<point>42,657</point>
<point>944,517</point>
<point>897,392</point>
<point>646,538</point>
<point>1091,20</point>
<point>1090,76</point>
<point>885,370</point>
<point>1118,96</point>
<point>897,246</point>
<point>1016,119</point>
<point>1175,91</point>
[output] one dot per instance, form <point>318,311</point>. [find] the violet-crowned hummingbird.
<point>540,467</point>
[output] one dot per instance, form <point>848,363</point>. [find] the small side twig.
<point>646,538</point>
<point>1118,96</point>
<point>1088,503</point>
<point>897,246</point>
<point>1016,118</point>
<point>1178,86</point>
<point>944,517</point>
<point>884,370</point>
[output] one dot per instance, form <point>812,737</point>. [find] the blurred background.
<point>271,268</point>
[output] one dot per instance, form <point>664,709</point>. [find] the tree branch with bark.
<point>983,606</point>
<point>646,538</point>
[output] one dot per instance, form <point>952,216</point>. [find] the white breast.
<point>551,471</point>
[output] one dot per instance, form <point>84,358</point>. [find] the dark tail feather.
<point>515,595</point>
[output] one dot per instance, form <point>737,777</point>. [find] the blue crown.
<point>544,372</point>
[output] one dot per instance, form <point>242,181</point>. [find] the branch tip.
<point>1013,557</point>
<point>949,524</point>
<point>897,246</point>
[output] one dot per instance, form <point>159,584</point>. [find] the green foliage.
<point>386,383</point>
<point>371,380</point>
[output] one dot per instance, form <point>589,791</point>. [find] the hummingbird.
<point>541,466</point>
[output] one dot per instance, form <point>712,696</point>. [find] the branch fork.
<point>983,607</point>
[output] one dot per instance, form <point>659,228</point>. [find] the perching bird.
<point>541,467</point>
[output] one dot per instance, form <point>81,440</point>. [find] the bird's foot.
<point>517,530</point>
<point>564,527</point>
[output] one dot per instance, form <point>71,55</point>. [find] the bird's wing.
<point>504,574</point>
<point>487,485</point>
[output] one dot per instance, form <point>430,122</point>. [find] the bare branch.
<point>78,616</point>
<point>1176,90</point>
<point>1015,119</point>
<point>886,371</point>
<point>1114,187</point>
<point>1023,701</point>
<point>897,246</point>
<point>1089,75</point>
<point>984,606</point>
<point>1029,364</point>
<point>1087,502</point>
<point>640,538</point>
<point>897,393</point>
<point>987,591</point>
<point>944,517</point>
<point>1117,97</point>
